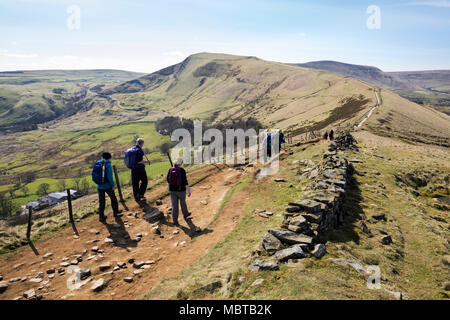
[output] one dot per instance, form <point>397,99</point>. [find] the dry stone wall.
<point>320,210</point>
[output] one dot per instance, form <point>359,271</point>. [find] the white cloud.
<point>19,55</point>
<point>439,3</point>
<point>302,34</point>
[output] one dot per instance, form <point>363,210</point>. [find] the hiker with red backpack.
<point>134,160</point>
<point>178,185</point>
<point>103,177</point>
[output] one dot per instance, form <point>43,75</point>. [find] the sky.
<point>145,36</point>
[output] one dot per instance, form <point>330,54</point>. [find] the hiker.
<point>103,177</point>
<point>325,135</point>
<point>281,138</point>
<point>134,160</point>
<point>178,185</point>
<point>331,135</point>
<point>268,144</point>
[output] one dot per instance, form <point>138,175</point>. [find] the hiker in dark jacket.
<point>107,188</point>
<point>281,138</point>
<point>325,135</point>
<point>178,185</point>
<point>331,135</point>
<point>138,173</point>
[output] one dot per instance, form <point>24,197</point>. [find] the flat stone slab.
<point>319,250</point>
<point>263,265</point>
<point>294,252</point>
<point>271,243</point>
<point>98,285</point>
<point>153,215</point>
<point>209,287</point>
<point>290,237</point>
<point>309,205</point>
<point>3,286</point>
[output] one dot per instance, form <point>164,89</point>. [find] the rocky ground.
<point>125,257</point>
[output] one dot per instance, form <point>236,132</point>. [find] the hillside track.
<point>171,252</point>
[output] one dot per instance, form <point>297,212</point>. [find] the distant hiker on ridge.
<point>331,136</point>
<point>134,160</point>
<point>178,184</point>
<point>325,135</point>
<point>103,177</point>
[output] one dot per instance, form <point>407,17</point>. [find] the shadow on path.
<point>119,234</point>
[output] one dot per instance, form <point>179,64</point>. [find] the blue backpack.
<point>98,172</point>
<point>130,157</point>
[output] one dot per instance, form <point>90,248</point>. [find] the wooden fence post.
<point>69,203</point>
<point>30,211</point>
<point>118,184</point>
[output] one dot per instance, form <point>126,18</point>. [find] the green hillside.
<point>28,98</point>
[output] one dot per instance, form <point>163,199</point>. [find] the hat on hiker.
<point>179,162</point>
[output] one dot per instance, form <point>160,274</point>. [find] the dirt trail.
<point>174,251</point>
<point>371,111</point>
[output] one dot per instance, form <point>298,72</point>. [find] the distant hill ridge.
<point>407,80</point>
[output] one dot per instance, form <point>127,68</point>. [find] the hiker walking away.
<point>103,177</point>
<point>268,146</point>
<point>331,136</point>
<point>134,160</point>
<point>178,185</point>
<point>281,138</point>
<point>325,135</point>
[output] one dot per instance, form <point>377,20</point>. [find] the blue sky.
<point>146,36</point>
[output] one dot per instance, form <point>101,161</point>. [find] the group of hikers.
<point>329,136</point>
<point>102,175</point>
<point>176,178</point>
<point>267,142</point>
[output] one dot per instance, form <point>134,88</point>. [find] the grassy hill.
<point>28,98</point>
<point>423,87</point>
<point>218,87</point>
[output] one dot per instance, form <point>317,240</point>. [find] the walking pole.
<point>69,203</point>
<point>168,155</point>
<point>118,185</point>
<point>30,211</point>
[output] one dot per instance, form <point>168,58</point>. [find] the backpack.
<point>130,157</point>
<point>98,172</point>
<point>174,178</point>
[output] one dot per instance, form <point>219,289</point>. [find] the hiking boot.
<point>118,213</point>
<point>188,215</point>
<point>102,219</point>
<point>176,224</point>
